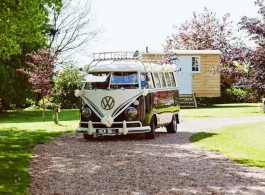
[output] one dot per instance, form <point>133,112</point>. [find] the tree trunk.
<point>38,98</point>
<point>43,111</point>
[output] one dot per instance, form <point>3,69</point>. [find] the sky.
<point>131,25</point>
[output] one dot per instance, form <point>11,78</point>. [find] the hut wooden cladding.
<point>194,76</point>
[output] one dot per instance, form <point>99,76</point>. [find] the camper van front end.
<point>115,113</point>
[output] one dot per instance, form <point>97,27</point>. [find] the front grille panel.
<point>120,118</point>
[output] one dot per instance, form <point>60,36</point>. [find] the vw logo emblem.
<point>107,103</point>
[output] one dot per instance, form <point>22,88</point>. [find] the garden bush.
<point>230,95</point>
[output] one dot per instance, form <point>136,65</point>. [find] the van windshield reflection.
<point>111,81</point>
<point>124,78</point>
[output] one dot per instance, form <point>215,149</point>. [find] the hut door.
<point>184,78</point>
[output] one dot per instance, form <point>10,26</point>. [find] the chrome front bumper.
<point>124,130</point>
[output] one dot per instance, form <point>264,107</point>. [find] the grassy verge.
<point>36,116</point>
<point>20,132</point>
<point>241,143</point>
<point>223,110</point>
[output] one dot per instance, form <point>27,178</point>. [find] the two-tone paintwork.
<point>150,101</point>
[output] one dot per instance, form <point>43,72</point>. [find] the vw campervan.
<point>123,93</point>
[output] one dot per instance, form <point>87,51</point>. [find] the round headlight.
<point>86,112</point>
<point>131,112</point>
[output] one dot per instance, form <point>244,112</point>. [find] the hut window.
<point>195,64</point>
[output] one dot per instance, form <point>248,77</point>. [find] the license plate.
<point>106,131</point>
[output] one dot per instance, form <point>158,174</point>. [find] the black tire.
<point>88,137</point>
<point>151,133</point>
<point>172,126</point>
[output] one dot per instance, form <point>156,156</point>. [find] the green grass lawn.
<point>20,132</point>
<point>242,143</point>
<point>223,110</point>
<point>36,116</point>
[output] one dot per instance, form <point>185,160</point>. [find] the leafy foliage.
<point>21,33</point>
<point>66,82</point>
<point>206,32</point>
<point>255,28</point>
<point>234,95</point>
<point>27,25</point>
<point>14,87</point>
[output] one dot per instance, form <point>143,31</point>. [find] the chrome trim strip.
<point>124,130</point>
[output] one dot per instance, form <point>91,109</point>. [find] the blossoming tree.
<point>40,73</point>
<point>206,31</point>
<point>255,30</point>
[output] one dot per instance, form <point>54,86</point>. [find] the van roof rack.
<point>117,55</point>
<point>127,55</point>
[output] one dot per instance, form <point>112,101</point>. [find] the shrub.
<point>234,95</point>
<point>66,82</point>
<point>230,95</point>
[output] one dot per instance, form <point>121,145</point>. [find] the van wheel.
<point>172,126</point>
<point>88,137</point>
<point>151,133</point>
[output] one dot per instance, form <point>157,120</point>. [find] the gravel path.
<point>169,164</point>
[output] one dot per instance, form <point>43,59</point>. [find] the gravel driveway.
<point>169,164</point>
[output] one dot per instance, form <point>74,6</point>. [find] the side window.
<point>143,80</point>
<point>156,80</point>
<point>173,84</point>
<point>149,79</point>
<point>163,80</point>
<point>167,79</point>
<point>195,64</point>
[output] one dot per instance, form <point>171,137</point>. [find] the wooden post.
<point>55,116</point>
<point>263,105</point>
